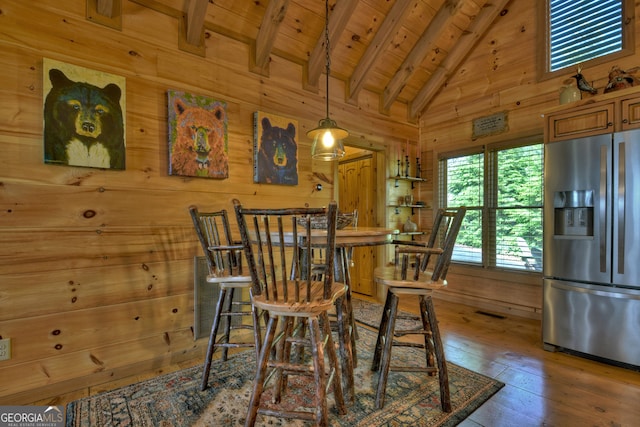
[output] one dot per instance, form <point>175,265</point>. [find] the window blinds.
<point>580,30</point>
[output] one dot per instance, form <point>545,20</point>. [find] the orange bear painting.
<point>198,140</point>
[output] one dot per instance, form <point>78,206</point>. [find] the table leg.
<point>343,275</point>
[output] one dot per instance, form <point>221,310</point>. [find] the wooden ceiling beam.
<point>105,8</point>
<point>383,37</point>
<point>105,12</point>
<point>271,21</point>
<point>476,30</point>
<point>425,44</point>
<point>196,13</point>
<point>338,20</point>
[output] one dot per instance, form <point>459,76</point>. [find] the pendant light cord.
<point>328,57</point>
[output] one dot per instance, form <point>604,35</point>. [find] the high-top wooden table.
<point>350,237</point>
<point>346,239</point>
<point>361,236</point>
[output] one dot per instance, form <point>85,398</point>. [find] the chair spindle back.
<point>446,227</point>
<point>278,247</point>
<point>223,255</point>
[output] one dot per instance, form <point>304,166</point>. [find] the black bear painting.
<point>275,150</point>
<point>83,122</point>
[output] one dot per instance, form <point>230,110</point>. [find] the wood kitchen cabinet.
<point>580,122</point>
<point>630,113</point>
<point>608,113</point>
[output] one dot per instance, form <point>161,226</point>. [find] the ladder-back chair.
<point>298,292</point>
<point>409,276</point>
<point>224,261</point>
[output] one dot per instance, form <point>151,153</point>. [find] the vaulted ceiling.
<point>402,50</point>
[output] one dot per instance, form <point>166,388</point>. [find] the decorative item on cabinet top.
<point>569,92</point>
<point>621,79</point>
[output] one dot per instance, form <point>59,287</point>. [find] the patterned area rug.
<point>369,314</point>
<point>176,400</point>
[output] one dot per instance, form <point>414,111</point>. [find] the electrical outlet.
<point>5,349</point>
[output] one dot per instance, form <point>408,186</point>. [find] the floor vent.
<point>205,298</point>
<point>486,313</point>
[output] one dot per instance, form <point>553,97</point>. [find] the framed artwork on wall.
<point>275,150</point>
<point>198,139</point>
<point>84,116</point>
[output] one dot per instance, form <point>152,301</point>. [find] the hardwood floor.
<point>542,388</point>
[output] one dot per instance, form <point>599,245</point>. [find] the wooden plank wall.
<point>97,265</point>
<point>499,75</point>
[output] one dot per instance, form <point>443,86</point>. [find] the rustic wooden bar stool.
<point>224,260</point>
<point>299,293</point>
<point>412,278</point>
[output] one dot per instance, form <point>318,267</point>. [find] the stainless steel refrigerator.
<point>592,246</point>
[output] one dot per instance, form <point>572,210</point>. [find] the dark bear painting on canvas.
<point>275,150</point>
<point>83,117</point>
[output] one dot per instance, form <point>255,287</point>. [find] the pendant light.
<point>327,137</point>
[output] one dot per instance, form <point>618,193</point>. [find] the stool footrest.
<point>235,313</point>
<point>234,344</point>
<point>301,415</point>
<point>407,344</point>
<point>411,332</point>
<point>292,368</point>
<point>413,369</point>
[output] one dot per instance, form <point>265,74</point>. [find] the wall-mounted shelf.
<point>413,207</point>
<point>410,233</point>
<point>397,196</point>
<point>411,179</point>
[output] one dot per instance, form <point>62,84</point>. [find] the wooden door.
<point>357,191</point>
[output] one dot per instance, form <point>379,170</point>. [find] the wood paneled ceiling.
<point>402,50</point>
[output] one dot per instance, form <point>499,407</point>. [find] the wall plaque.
<point>490,125</point>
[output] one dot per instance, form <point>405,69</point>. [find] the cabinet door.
<point>594,120</point>
<point>631,113</point>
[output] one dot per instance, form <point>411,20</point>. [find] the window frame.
<point>543,62</point>
<point>489,208</point>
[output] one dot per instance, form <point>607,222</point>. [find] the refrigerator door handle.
<point>621,205</point>
<point>603,208</point>
<point>604,291</point>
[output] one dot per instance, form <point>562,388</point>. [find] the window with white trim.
<point>502,188</point>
